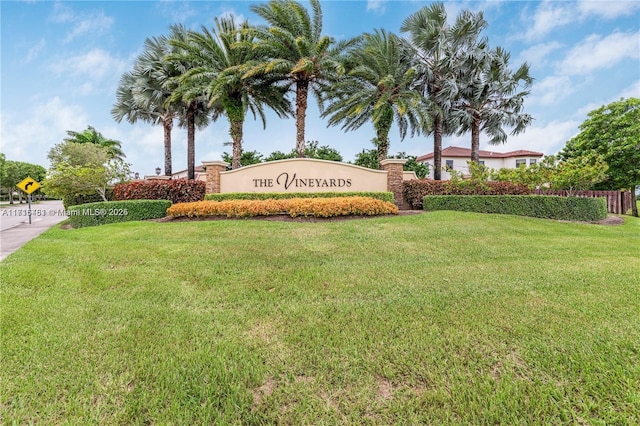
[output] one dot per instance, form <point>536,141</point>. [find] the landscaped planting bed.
<point>315,207</point>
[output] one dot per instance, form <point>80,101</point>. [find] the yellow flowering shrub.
<point>316,207</point>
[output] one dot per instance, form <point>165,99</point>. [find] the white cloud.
<point>178,11</point>
<point>35,50</point>
<point>377,6</point>
<point>100,70</point>
<point>30,138</point>
<point>548,16</point>
<point>62,13</point>
<point>551,15</point>
<point>597,52</point>
<point>95,23</point>
<point>238,18</point>
<point>537,55</point>
<point>607,9</point>
<point>633,91</point>
<point>550,90</point>
<point>548,139</point>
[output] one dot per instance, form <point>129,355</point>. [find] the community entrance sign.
<point>303,175</point>
<point>308,175</point>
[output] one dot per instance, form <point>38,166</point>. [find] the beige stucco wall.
<point>303,175</point>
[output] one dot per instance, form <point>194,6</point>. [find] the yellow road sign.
<point>29,185</point>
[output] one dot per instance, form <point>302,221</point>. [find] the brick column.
<point>213,169</point>
<point>393,167</point>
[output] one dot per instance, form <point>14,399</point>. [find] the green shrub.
<point>383,196</point>
<point>93,214</point>
<point>74,200</point>
<point>415,190</point>
<point>548,207</point>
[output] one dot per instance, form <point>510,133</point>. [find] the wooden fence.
<point>618,202</point>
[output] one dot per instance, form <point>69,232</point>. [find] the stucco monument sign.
<point>306,175</point>
<point>303,175</point>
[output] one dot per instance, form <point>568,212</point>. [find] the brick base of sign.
<point>395,177</point>
<point>213,169</point>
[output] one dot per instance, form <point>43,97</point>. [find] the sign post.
<point>28,186</point>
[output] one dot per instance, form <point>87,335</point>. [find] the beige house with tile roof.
<point>456,158</point>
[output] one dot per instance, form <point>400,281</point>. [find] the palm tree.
<point>186,97</point>
<point>141,94</point>
<point>219,59</point>
<point>438,49</point>
<point>91,135</point>
<point>490,96</point>
<point>297,53</point>
<point>378,88</point>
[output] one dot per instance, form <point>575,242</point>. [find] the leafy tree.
<point>574,174</point>
<point>324,152</point>
<point>378,88</point>
<point>83,169</point>
<point>534,176</point>
<point>369,159</point>
<point>612,131</point>
<point>311,150</point>
<point>13,172</point>
<point>297,54</point>
<point>246,159</point>
<point>3,171</point>
<point>579,173</point>
<point>219,59</point>
<point>279,155</point>
<point>91,136</point>
<point>439,49</point>
<point>420,169</point>
<point>488,96</point>
<point>143,95</point>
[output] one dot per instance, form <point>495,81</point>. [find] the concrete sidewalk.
<point>15,229</point>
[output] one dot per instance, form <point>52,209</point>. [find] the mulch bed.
<point>287,218</point>
<point>610,220</point>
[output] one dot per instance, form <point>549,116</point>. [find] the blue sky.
<point>61,62</point>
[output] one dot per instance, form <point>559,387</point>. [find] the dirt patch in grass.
<point>263,392</point>
<point>610,220</point>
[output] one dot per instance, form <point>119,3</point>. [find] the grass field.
<point>438,318</point>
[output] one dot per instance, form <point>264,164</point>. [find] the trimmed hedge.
<point>415,190</point>
<point>74,200</point>
<point>316,207</point>
<point>548,207</point>
<point>176,191</point>
<point>102,213</point>
<point>382,196</point>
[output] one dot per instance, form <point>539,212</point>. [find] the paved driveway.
<point>15,229</point>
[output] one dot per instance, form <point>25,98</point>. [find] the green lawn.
<point>439,318</point>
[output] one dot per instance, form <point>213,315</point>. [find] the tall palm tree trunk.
<point>236,137</point>
<point>167,125</point>
<point>191,141</point>
<point>383,127</point>
<point>302,93</point>
<point>437,147</point>
<point>475,140</point>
